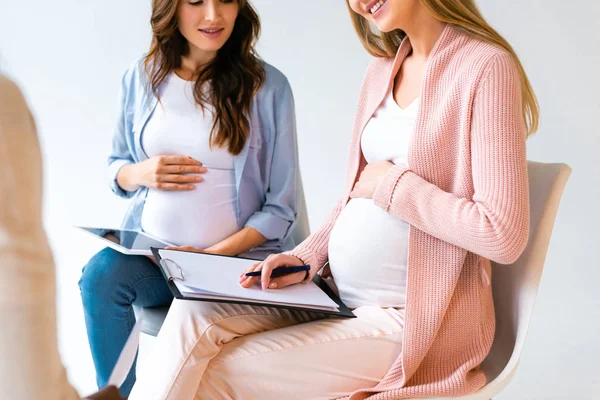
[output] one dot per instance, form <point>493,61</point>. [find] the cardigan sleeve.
<point>494,223</point>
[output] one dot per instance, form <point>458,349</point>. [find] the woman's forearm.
<point>126,178</point>
<point>238,243</point>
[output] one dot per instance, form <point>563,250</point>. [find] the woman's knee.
<point>200,315</point>
<point>188,311</point>
<point>105,272</point>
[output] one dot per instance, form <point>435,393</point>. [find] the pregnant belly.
<point>200,218</point>
<point>368,250</point>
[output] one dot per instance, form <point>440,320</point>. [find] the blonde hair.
<point>464,15</point>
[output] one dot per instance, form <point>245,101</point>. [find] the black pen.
<point>281,271</point>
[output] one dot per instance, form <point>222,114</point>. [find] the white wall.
<point>69,55</point>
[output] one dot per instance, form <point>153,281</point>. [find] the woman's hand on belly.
<point>369,179</point>
<point>172,173</point>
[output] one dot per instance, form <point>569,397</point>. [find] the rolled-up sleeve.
<point>120,154</point>
<point>280,209</point>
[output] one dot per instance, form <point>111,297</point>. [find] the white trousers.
<point>226,351</point>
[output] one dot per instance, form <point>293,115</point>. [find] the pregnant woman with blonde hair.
<point>436,188</point>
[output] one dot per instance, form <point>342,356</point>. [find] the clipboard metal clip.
<point>180,277</point>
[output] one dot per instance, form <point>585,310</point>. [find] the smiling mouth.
<point>213,30</point>
<point>377,6</point>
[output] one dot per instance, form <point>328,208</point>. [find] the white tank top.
<point>206,215</point>
<point>368,247</point>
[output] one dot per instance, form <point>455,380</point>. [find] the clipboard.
<point>166,267</point>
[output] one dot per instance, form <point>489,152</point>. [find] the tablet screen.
<point>130,240</point>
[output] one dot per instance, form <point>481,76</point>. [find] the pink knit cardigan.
<point>466,198</point>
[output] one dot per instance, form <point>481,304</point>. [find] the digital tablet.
<point>130,242</point>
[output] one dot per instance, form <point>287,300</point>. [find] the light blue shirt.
<point>266,171</point>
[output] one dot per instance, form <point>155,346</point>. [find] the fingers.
<point>287,280</point>
<point>279,260</point>
<point>185,248</point>
<point>178,160</point>
<point>179,178</point>
<point>248,281</point>
<point>181,169</point>
<point>173,247</point>
<point>267,266</point>
<point>176,173</point>
<point>174,187</point>
<point>272,262</point>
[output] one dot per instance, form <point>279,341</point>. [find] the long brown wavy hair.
<point>235,75</point>
<point>464,15</point>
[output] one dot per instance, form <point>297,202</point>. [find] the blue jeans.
<point>110,284</point>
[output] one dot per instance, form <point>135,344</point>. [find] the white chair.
<point>155,316</point>
<point>515,286</point>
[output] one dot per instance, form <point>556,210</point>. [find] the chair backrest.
<point>515,286</point>
<point>300,229</point>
